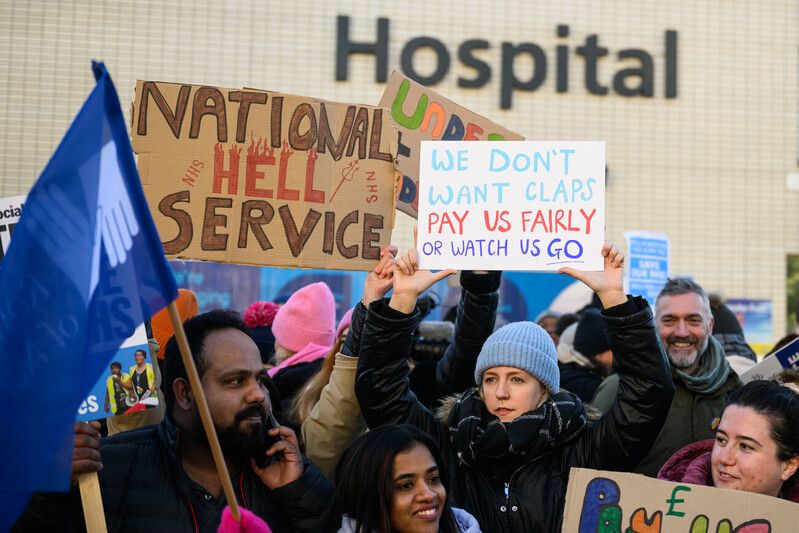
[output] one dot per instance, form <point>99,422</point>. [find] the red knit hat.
<point>260,314</point>
<point>309,316</point>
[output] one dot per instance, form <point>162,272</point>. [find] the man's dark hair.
<point>677,286</point>
<point>564,321</point>
<point>116,364</point>
<point>197,329</point>
<point>137,352</point>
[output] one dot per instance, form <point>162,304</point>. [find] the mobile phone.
<point>261,459</point>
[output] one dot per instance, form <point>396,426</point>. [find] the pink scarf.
<point>311,352</point>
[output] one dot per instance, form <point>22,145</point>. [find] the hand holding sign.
<point>410,282</point>
<point>380,279</point>
<point>86,450</point>
<point>607,284</point>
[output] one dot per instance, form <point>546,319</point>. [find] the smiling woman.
<point>388,481</point>
<point>756,448</point>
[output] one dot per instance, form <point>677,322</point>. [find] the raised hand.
<point>380,279</point>
<point>86,450</point>
<point>609,283</point>
<point>410,282</point>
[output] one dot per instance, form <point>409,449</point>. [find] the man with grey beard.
<point>702,375</point>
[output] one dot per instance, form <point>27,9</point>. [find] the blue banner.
<point>647,262</point>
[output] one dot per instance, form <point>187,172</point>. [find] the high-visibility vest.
<point>150,376</point>
<point>109,384</point>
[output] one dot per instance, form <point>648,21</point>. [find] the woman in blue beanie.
<point>511,440</point>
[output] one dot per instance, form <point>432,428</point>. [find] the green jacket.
<point>689,419</point>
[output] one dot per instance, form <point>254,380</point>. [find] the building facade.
<point>696,101</point>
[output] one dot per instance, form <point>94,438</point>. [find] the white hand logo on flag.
<point>115,227</point>
<point>114,210</point>
<point>116,223</point>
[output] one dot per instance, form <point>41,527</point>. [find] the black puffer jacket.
<point>580,380</point>
<point>145,489</point>
<point>536,490</point>
<point>474,322</point>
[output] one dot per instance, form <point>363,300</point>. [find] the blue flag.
<point>84,269</point>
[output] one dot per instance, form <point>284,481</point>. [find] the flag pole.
<point>202,406</point>
<point>92,502</point>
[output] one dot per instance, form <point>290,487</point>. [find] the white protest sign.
<point>10,211</point>
<point>784,358</point>
<point>511,205</point>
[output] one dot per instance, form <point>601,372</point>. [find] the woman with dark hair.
<point>391,480</point>
<point>756,448</point>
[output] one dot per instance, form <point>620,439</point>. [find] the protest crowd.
<point>323,427</point>
<point>343,424</point>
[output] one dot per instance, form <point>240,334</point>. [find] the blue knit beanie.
<point>523,345</point>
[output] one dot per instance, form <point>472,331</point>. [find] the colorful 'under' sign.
<point>424,115</point>
<point>511,205</point>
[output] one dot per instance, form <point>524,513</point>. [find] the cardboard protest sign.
<point>598,501</point>
<point>10,211</point>
<point>514,205</point>
<point>424,115</point>
<point>263,178</point>
<point>647,263</point>
<point>92,407</point>
<point>785,357</point>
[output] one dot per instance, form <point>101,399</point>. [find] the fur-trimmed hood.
<point>445,405</point>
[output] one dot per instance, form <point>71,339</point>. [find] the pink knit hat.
<point>308,316</point>
<point>345,322</point>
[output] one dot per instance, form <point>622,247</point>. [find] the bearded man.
<point>162,477</point>
<point>702,376</point>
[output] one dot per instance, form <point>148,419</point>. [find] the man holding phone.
<point>163,478</point>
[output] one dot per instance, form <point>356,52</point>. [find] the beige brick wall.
<point>707,168</point>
